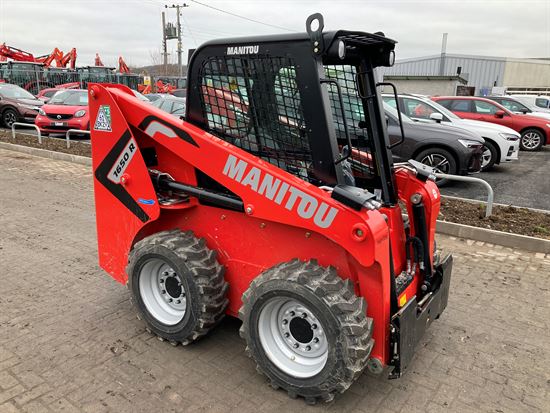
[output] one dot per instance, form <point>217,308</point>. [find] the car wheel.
<point>489,156</point>
<point>440,160</point>
<point>9,117</point>
<point>531,140</point>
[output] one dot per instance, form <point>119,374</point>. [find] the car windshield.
<point>15,92</point>
<point>140,96</point>
<point>70,98</point>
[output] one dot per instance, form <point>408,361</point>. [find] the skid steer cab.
<point>262,205</point>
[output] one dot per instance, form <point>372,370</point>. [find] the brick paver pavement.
<point>70,341</point>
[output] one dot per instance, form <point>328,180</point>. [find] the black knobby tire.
<point>342,315</point>
<point>490,147</point>
<point>435,154</point>
<point>9,116</point>
<point>531,140</point>
<point>200,274</point>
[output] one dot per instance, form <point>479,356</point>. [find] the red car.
<point>67,109</point>
<point>535,131</point>
<point>45,94</point>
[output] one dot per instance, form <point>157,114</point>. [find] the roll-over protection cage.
<point>294,99</point>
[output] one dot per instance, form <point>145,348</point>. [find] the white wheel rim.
<point>162,291</point>
<point>292,337</point>
<point>530,140</point>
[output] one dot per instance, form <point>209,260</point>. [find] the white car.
<point>540,102</point>
<point>517,104</point>
<point>501,143</point>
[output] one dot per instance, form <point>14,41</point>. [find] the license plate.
<point>59,124</point>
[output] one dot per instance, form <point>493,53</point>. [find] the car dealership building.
<point>469,75</point>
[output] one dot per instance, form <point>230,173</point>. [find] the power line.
<point>242,17</point>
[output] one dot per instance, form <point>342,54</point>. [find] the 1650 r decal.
<point>122,161</point>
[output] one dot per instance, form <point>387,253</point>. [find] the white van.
<point>542,102</point>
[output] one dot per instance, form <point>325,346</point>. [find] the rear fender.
<point>124,195</point>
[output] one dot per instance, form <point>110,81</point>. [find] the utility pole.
<point>177,7</point>
<point>164,46</point>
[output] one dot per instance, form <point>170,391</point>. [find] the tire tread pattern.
<point>207,273</point>
<point>350,311</point>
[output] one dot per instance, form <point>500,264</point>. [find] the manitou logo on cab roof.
<point>275,190</point>
<point>233,50</point>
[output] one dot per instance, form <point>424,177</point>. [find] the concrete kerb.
<point>505,239</point>
<point>448,228</point>
<point>44,153</point>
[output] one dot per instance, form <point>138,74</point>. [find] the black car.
<point>448,149</point>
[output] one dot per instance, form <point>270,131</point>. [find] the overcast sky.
<point>132,28</point>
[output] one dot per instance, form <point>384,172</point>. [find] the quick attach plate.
<point>410,323</point>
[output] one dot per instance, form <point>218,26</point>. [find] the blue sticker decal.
<point>146,201</point>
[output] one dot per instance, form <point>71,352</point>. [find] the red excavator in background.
<point>57,56</point>
<point>97,61</point>
<point>122,66</point>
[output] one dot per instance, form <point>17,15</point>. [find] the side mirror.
<point>524,110</point>
<point>499,114</point>
<point>438,117</point>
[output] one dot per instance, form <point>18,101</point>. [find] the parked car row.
<point>56,110</point>
<point>534,130</point>
<point>501,143</point>
<point>453,134</point>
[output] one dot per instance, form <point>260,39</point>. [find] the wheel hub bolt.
<point>304,315</point>
<point>287,335</point>
<point>313,326</point>
<point>285,321</point>
<point>296,345</point>
<point>170,300</point>
<point>315,340</point>
<point>292,313</point>
<point>165,273</point>
<point>162,281</point>
<point>163,291</point>
<point>308,348</point>
<point>178,301</point>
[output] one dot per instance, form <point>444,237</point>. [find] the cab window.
<point>416,109</point>
<point>462,105</point>
<point>542,102</point>
<point>485,108</point>
<point>513,106</point>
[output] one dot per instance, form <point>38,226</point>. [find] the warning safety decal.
<point>103,119</point>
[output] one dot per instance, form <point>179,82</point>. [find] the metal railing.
<point>74,132</point>
<point>26,125</point>
<point>490,193</point>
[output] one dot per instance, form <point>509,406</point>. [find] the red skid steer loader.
<point>261,204</point>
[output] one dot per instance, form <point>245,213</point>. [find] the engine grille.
<point>59,116</point>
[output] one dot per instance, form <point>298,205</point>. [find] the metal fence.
<point>35,78</point>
